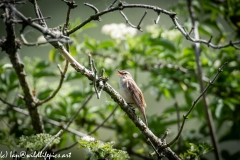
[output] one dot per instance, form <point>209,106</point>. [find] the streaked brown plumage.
<point>131,92</point>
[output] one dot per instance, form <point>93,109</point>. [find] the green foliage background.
<point>162,62</point>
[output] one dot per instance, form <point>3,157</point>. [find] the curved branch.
<point>100,125</point>
<point>194,104</point>
<point>40,102</point>
<point>53,122</point>
<point>172,15</point>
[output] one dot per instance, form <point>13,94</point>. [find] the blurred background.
<point>162,62</point>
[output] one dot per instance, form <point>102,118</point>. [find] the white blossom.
<point>118,31</point>
<point>88,138</point>
<point>154,30</point>
<point>172,34</point>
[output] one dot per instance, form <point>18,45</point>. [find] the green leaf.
<point>106,44</point>
<point>162,42</point>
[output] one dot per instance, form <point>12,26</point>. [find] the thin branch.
<point>52,139</point>
<point>194,104</point>
<point>158,18</point>
<point>112,4</point>
<point>66,148</point>
<point>138,26</point>
<point>178,124</point>
<point>95,9</point>
<point>127,21</point>
<point>40,102</point>
<point>96,78</point>
<point>208,113</point>
<point>165,134</point>
<point>102,81</point>
<point>71,4</point>
<point>172,15</point>
<point>7,103</point>
<point>38,12</point>
<point>30,44</point>
<point>100,125</point>
<point>46,31</point>
<point>178,114</point>
<point>155,150</point>
<point>210,40</point>
<point>53,122</point>
<point>78,111</point>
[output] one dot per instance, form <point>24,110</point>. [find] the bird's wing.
<point>138,98</point>
<point>136,93</point>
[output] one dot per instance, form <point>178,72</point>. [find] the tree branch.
<point>100,125</point>
<point>75,115</point>
<point>199,73</point>
<point>53,122</point>
<point>40,102</point>
<point>158,10</point>
<point>194,104</point>
<point>11,46</point>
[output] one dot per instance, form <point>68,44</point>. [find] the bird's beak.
<point>119,73</point>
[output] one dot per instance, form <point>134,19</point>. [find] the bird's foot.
<point>131,107</point>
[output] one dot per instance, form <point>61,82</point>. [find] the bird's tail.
<point>142,110</point>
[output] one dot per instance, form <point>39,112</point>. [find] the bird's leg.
<point>131,107</point>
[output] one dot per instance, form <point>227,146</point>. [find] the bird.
<point>132,93</point>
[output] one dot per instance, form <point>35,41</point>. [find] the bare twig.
<point>139,24</point>
<point>37,19</point>
<point>158,17</point>
<point>208,113</point>
<point>100,125</point>
<point>95,9</point>
<point>172,15</point>
<point>7,103</point>
<point>78,111</point>
<point>101,81</point>
<point>112,4</point>
<point>53,122</point>
<point>40,102</point>
<point>178,114</point>
<point>178,124</point>
<point>210,40</point>
<point>71,4</point>
<point>52,139</point>
<point>194,104</point>
<point>165,134</point>
<point>127,21</point>
<point>38,12</point>
<point>66,148</point>
<point>155,150</point>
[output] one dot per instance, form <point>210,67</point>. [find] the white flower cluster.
<point>118,31</point>
<point>156,31</point>
<point>88,138</point>
<point>172,34</point>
